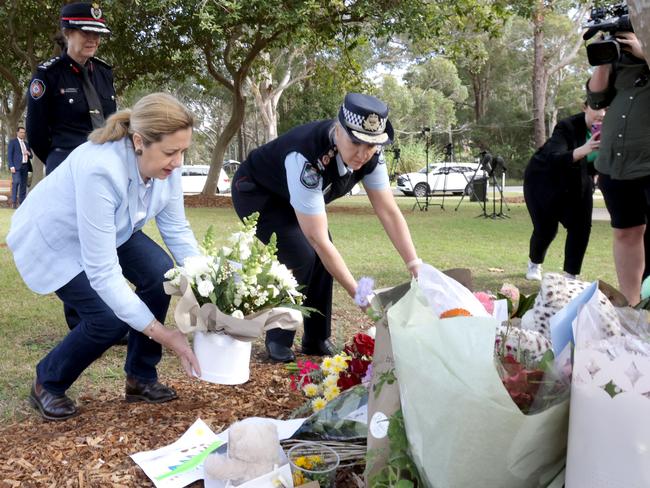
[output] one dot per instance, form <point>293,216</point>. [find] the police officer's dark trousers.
<point>294,251</point>
<point>572,211</point>
<point>144,264</point>
<point>55,158</point>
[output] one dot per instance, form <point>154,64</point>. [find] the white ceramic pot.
<point>223,360</point>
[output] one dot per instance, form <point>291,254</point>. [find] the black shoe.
<point>136,391</point>
<point>279,353</point>
<point>318,348</point>
<point>50,406</point>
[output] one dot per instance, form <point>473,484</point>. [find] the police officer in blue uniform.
<point>70,95</point>
<point>291,179</point>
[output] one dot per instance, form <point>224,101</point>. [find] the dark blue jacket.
<point>57,111</point>
<point>16,155</point>
<point>266,163</point>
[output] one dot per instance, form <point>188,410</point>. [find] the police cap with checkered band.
<point>365,118</point>
<point>84,16</point>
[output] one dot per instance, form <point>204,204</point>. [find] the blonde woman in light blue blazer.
<point>79,235</point>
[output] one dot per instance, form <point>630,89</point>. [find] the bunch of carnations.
<point>322,383</point>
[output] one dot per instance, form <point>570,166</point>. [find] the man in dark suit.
<point>558,188</point>
<point>19,164</point>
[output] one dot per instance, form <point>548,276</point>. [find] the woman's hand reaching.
<point>177,342</point>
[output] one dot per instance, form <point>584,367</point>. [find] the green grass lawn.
<point>495,250</point>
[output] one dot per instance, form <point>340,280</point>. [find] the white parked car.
<point>452,177</point>
<point>194,176</point>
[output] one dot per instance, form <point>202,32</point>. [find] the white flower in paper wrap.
<point>174,276</point>
<point>285,278</point>
<point>196,266</point>
<point>273,290</point>
<point>204,288</point>
<point>238,314</point>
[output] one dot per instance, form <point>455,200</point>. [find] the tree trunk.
<point>240,145</point>
<point>480,86</point>
<point>229,131</point>
<point>540,77</point>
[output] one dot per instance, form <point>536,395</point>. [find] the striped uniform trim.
<point>355,121</point>
<point>89,23</point>
<point>86,19</point>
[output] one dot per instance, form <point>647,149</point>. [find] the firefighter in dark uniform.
<point>70,95</point>
<point>290,180</point>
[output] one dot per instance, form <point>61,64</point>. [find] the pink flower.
<point>485,300</point>
<point>511,292</point>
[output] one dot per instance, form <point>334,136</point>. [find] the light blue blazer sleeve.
<point>78,216</point>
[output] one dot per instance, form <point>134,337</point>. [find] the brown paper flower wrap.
<point>191,317</point>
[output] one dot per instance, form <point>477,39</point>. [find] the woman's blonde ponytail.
<point>116,128</point>
<point>153,116</point>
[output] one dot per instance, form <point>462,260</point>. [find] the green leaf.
<point>404,484</point>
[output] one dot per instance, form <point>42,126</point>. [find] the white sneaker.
<point>534,271</point>
<point>570,276</point>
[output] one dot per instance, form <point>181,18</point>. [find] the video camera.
<point>491,165</point>
<point>608,20</point>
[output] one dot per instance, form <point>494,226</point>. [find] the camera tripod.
<point>498,167</point>
<point>424,206</point>
<point>471,190</point>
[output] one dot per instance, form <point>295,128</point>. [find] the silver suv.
<point>448,177</point>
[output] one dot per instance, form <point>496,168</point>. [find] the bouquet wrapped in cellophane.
<point>240,289</point>
<point>483,402</point>
<point>609,427</point>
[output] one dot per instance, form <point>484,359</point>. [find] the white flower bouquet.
<point>239,290</point>
<point>241,281</point>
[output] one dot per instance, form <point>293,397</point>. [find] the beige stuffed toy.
<point>555,292</point>
<point>253,450</point>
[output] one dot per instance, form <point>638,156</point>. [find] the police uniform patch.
<point>37,89</point>
<point>309,177</point>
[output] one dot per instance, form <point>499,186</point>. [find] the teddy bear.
<point>253,450</point>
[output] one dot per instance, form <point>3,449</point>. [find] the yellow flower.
<point>330,380</point>
<point>327,364</point>
<point>317,404</point>
<point>310,390</point>
<point>341,362</point>
<point>332,392</point>
<point>298,478</point>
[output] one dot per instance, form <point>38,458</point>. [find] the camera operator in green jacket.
<point>624,157</point>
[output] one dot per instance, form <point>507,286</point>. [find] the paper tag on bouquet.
<point>609,427</point>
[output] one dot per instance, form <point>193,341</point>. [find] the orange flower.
<point>455,312</point>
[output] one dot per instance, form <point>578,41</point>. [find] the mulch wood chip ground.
<point>93,448</point>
